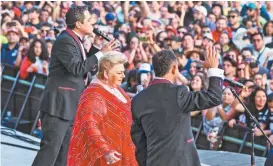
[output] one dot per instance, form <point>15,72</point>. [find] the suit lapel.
<point>74,36</point>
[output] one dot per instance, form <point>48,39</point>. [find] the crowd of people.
<point>241,33</point>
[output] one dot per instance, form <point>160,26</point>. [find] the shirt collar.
<point>81,38</point>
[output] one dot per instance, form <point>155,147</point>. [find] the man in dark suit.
<point>68,68</point>
<point>161,129</point>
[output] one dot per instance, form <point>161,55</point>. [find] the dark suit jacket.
<point>65,81</point>
<point>161,129</point>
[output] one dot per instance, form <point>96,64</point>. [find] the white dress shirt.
<point>98,54</point>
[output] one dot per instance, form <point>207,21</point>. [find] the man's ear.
<point>78,25</point>
<point>174,68</point>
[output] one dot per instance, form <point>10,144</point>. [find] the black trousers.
<point>55,142</point>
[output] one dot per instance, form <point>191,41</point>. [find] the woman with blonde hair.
<point>101,133</point>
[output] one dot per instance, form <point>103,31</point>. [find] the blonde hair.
<point>109,60</point>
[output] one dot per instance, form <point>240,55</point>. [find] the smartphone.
<point>140,38</point>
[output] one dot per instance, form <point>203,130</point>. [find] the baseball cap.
<point>201,9</point>
<point>110,17</point>
<point>12,29</point>
<point>251,5</point>
<point>144,67</point>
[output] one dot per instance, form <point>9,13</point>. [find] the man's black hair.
<point>162,62</point>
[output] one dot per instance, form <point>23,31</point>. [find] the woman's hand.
<point>112,157</point>
<point>231,123</point>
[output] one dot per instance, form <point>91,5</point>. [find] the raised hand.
<point>211,59</point>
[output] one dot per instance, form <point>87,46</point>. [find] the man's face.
<point>205,31</point>
<point>12,37</point>
<point>164,12</point>
<point>86,25</point>
<point>258,79</point>
<point>250,12</point>
<point>228,68</point>
<point>34,15</point>
<point>254,70</point>
<point>221,25</point>
<point>233,18</point>
<point>212,18</point>
<point>188,42</point>
<point>258,42</point>
<point>197,15</point>
<point>44,31</point>
<point>44,16</point>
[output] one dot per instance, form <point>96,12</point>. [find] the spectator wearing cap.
<point>234,20</point>
<point>111,22</point>
<point>200,13</point>
<point>258,21</point>
<point>175,42</point>
<point>144,74</point>
<point>9,51</point>
<point>255,5</point>
<point>221,26</point>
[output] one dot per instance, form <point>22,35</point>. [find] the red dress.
<point>102,124</point>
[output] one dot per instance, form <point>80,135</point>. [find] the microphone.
<point>100,33</point>
<point>234,83</point>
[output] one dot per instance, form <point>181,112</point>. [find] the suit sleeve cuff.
<point>99,55</point>
<point>216,72</point>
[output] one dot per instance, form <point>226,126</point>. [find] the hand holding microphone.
<point>112,44</point>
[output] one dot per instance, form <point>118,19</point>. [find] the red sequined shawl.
<point>102,124</point>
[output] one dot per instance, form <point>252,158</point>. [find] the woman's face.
<point>216,10</point>
<point>116,75</point>
<point>260,99</point>
<point>162,36</point>
<point>195,56</point>
<point>269,29</point>
<point>134,43</point>
<point>227,96</point>
<point>196,83</point>
<point>224,39</point>
<point>37,49</point>
<point>193,68</point>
